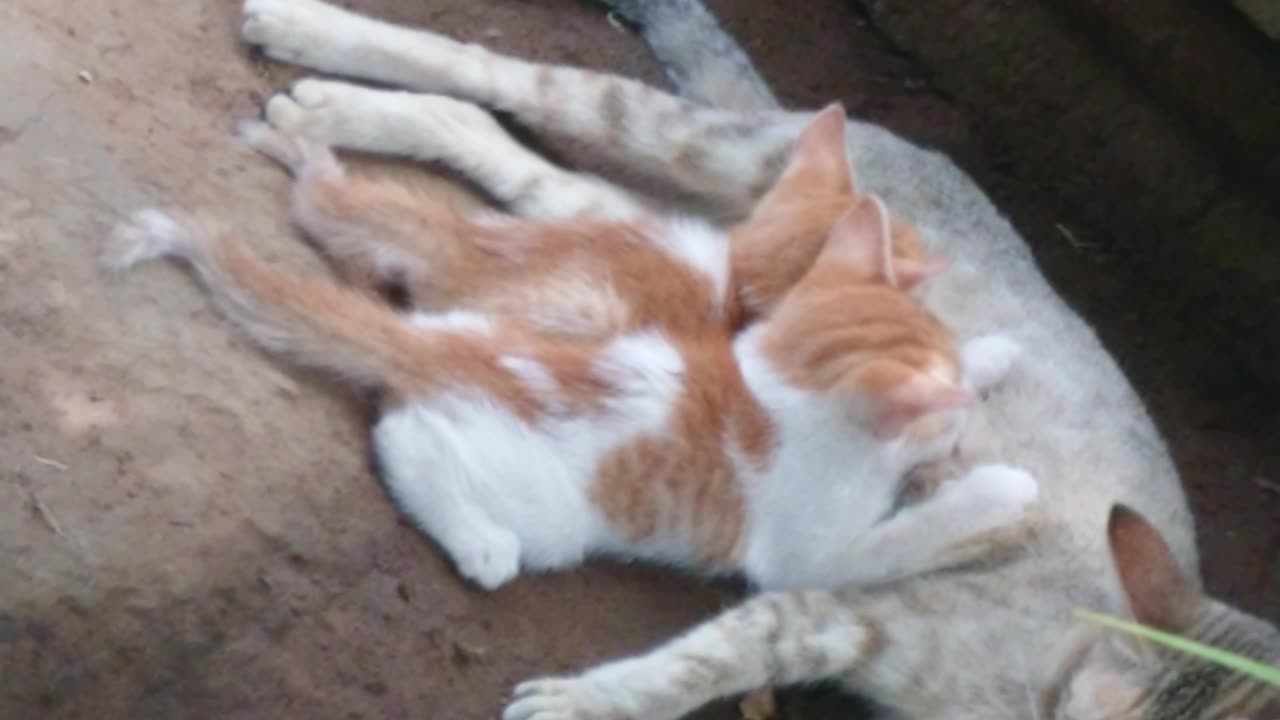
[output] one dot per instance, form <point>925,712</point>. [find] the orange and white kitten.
<point>564,388</point>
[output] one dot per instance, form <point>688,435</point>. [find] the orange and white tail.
<point>311,320</point>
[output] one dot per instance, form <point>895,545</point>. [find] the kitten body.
<point>990,643</point>
<point>564,388</point>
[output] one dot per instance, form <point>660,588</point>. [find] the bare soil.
<point>190,530</point>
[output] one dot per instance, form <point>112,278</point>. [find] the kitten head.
<point>777,244</point>
<point>849,329</point>
<point>1122,678</point>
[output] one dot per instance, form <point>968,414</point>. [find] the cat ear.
<point>921,395</point>
<point>910,273</point>
<point>1160,594</point>
<point>822,144</point>
<point>860,238</point>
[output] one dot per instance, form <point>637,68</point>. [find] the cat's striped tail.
<point>311,320</point>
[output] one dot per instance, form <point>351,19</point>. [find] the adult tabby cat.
<point>988,643</point>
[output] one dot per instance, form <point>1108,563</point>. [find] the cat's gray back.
<point>1067,414</point>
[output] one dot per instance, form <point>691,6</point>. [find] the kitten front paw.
<point>559,699</point>
<point>988,359</point>
<point>993,496</point>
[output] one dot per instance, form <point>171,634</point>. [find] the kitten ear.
<point>1160,595</point>
<point>861,238</point>
<point>822,145</point>
<point>921,395</point>
<point>824,132</point>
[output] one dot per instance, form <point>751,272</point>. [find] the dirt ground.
<point>190,530</point>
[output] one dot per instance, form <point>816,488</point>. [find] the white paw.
<point>295,31</point>
<point>490,558</point>
<point>993,496</point>
<point>310,109</point>
<point>988,359</point>
<point>558,699</point>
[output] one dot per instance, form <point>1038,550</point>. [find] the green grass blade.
<point>1252,668</point>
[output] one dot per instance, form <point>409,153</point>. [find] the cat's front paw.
<point>993,496</point>
<point>988,359</point>
<point>560,699</point>
<point>294,31</point>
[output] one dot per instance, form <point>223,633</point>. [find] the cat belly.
<point>496,493</point>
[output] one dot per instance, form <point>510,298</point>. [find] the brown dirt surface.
<point>188,529</point>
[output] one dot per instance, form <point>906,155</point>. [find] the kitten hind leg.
<point>482,550</point>
<point>378,234</point>
<point>460,135</point>
<point>720,157</point>
<point>771,639</point>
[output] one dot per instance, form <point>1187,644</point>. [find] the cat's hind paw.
<point>490,559</point>
<point>557,699</point>
<point>310,109</point>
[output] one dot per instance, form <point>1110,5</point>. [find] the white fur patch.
<point>699,245</point>
<point>463,320</point>
<point>533,375</point>
<point>580,306</point>
<point>148,235</point>
<point>499,493</point>
<point>643,367</point>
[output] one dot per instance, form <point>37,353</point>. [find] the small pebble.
<point>85,76</point>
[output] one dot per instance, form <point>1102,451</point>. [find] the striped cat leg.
<point>721,157</point>
<point>700,58</point>
<point>771,639</point>
<point>460,135</point>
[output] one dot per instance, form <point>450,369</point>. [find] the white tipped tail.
<point>148,235</point>
<point>312,320</point>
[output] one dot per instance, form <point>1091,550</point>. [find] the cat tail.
<point>310,320</point>
<point>700,58</point>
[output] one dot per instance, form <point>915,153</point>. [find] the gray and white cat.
<point>989,643</point>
